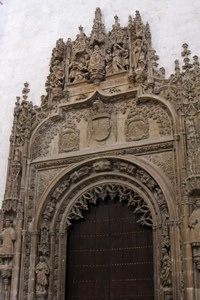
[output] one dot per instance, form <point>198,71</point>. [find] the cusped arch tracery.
<point>123,193</point>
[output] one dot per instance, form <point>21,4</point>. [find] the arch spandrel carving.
<point>102,121</point>
<point>109,124</point>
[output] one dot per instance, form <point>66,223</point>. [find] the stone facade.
<point>109,124</point>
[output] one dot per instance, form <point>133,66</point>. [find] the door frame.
<point>134,173</point>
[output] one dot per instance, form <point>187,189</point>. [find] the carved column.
<point>18,252</point>
<point>6,274</point>
<point>51,263</point>
<point>34,240</point>
<point>62,263</point>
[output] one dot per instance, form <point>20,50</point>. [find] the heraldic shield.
<point>101,127</point>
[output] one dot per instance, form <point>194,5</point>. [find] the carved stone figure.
<point>165,275</point>
<point>81,71</point>
<point>194,223</point>
<point>72,71</point>
<point>117,63</point>
<point>109,59</point>
<point>42,272</point>
<point>139,54</point>
<point>96,59</point>
<point>8,236</point>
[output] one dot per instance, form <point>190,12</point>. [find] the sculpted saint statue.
<point>165,276</point>
<point>8,236</point>
<point>96,59</point>
<point>117,58</point>
<point>42,272</point>
<point>139,54</point>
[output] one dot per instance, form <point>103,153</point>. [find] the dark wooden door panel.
<point>110,255</point>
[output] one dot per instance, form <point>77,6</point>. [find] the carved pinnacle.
<point>185,51</point>
<point>81,29</point>
<point>116,19</point>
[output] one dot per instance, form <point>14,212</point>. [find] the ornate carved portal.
<point>110,126</point>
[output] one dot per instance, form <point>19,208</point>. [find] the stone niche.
<point>110,126</point>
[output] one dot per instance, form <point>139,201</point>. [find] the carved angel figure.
<point>42,272</point>
<point>8,236</point>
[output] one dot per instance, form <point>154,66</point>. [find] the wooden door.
<point>110,255</point>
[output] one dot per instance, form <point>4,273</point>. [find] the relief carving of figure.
<point>42,272</point>
<point>194,223</point>
<point>117,58</point>
<point>109,59</point>
<point>96,59</point>
<point>8,236</point>
<point>165,276</point>
<point>82,69</point>
<point>139,54</point>
<point>72,70</point>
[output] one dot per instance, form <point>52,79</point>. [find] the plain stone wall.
<point>29,30</point>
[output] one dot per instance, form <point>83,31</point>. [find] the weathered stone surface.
<point>112,125</point>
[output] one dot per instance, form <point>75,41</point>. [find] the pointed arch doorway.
<point>109,255</point>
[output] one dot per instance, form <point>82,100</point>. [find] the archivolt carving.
<point>109,166</point>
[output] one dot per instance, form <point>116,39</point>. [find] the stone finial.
<point>98,14</point>
<point>25,90</point>
<point>185,51</point>
<point>116,19</point>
